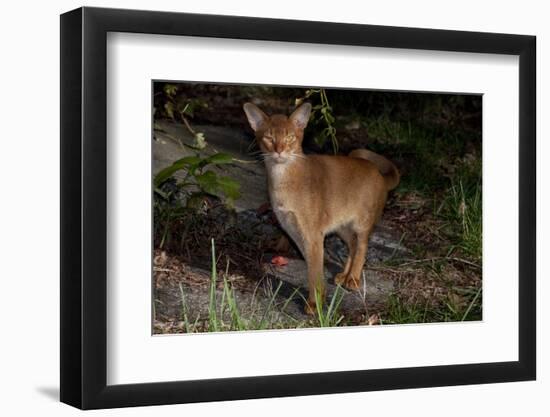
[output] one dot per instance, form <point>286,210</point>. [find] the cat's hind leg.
<point>350,239</point>
<point>354,276</point>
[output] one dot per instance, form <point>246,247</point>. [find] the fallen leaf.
<point>279,261</point>
<point>160,259</point>
<point>373,320</point>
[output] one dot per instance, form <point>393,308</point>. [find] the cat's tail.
<point>388,170</point>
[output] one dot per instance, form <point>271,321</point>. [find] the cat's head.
<point>279,137</point>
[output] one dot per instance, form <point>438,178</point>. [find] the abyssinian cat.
<point>313,195</point>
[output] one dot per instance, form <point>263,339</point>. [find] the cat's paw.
<point>340,278</point>
<point>352,283</point>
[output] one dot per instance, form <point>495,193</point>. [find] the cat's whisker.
<point>295,156</point>
<point>264,156</point>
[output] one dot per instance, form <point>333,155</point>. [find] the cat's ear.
<point>255,116</point>
<point>300,116</point>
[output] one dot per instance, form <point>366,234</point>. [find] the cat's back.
<point>344,166</point>
<point>346,177</point>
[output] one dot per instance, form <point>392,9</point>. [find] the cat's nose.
<point>279,148</point>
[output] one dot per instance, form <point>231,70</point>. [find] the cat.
<point>314,195</point>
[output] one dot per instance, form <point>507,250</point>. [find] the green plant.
<point>463,208</point>
<point>197,180</point>
<point>166,211</point>
<point>330,317</point>
<point>322,115</point>
<point>462,304</point>
<point>177,198</point>
<point>212,316</point>
<point>179,108</point>
<point>174,105</point>
<point>189,327</point>
<point>400,312</point>
<point>225,315</point>
<point>474,307</point>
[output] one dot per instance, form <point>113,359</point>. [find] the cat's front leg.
<point>315,274</point>
<point>289,222</point>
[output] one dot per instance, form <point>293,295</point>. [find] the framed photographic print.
<point>256,208</point>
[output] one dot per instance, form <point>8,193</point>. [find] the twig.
<point>182,144</point>
<point>242,161</point>
<point>395,271</point>
<point>471,305</point>
<point>188,126</point>
<point>194,133</point>
<point>442,258</point>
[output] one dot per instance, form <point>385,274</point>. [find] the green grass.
<point>439,166</point>
<point>213,323</point>
<point>426,151</point>
<point>462,208</point>
<point>465,304</point>
<point>165,217</point>
<point>329,317</point>
<point>224,313</point>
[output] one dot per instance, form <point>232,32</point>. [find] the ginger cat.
<point>313,195</point>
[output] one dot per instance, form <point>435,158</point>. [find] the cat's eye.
<point>269,139</point>
<point>290,138</point>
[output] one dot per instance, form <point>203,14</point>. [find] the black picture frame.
<point>84,207</point>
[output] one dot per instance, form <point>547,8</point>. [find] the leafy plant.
<point>322,115</point>
<point>179,108</point>
<point>197,180</point>
<point>176,197</point>
<point>174,105</point>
